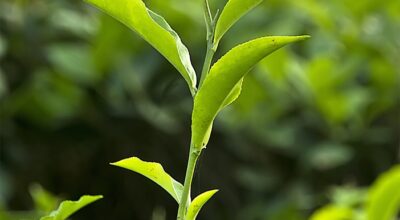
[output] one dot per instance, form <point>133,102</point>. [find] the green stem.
<point>207,61</point>
<point>193,156</point>
<point>210,24</point>
<point>195,153</point>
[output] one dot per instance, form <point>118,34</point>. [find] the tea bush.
<point>77,86</point>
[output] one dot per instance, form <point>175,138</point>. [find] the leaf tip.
<point>114,163</point>
<point>121,163</point>
<point>300,37</point>
<point>209,194</point>
<point>95,197</point>
<point>289,39</point>
<point>305,37</point>
<point>212,192</point>
<point>118,163</point>
<point>98,196</point>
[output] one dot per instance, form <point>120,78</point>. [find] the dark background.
<point>78,90</point>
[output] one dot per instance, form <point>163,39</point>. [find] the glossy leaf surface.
<point>198,203</point>
<point>67,208</point>
<point>155,30</point>
<point>155,172</point>
<point>231,13</point>
<point>224,75</point>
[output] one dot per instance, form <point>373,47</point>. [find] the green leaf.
<point>348,196</point>
<point>42,199</point>
<point>67,208</point>
<point>384,196</point>
<point>234,94</point>
<point>155,172</point>
<point>231,13</point>
<point>224,75</point>
<point>155,30</point>
<point>332,212</point>
<point>198,203</point>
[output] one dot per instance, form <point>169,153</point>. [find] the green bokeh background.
<point>79,90</point>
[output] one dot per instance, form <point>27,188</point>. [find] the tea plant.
<point>220,83</point>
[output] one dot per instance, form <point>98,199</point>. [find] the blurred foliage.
<point>381,201</point>
<point>43,201</point>
<point>78,90</point>
<point>45,206</point>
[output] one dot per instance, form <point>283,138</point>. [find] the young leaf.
<point>384,196</point>
<point>155,30</point>
<point>231,13</point>
<point>223,76</point>
<point>67,208</point>
<point>198,203</point>
<point>155,172</point>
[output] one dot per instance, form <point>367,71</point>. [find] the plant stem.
<point>195,153</point>
<point>207,61</point>
<point>210,24</point>
<point>193,156</point>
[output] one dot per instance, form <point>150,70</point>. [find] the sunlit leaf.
<point>198,203</point>
<point>224,75</point>
<point>155,172</point>
<point>67,208</point>
<point>231,13</point>
<point>384,196</point>
<point>332,212</point>
<point>155,30</point>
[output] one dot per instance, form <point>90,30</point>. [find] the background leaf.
<point>231,13</point>
<point>67,208</point>
<point>223,77</point>
<point>198,203</point>
<point>155,172</point>
<point>332,212</point>
<point>155,30</point>
<point>384,199</point>
<point>44,201</point>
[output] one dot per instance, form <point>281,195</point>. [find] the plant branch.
<point>195,153</point>
<point>207,62</point>
<point>210,24</point>
<point>193,156</point>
